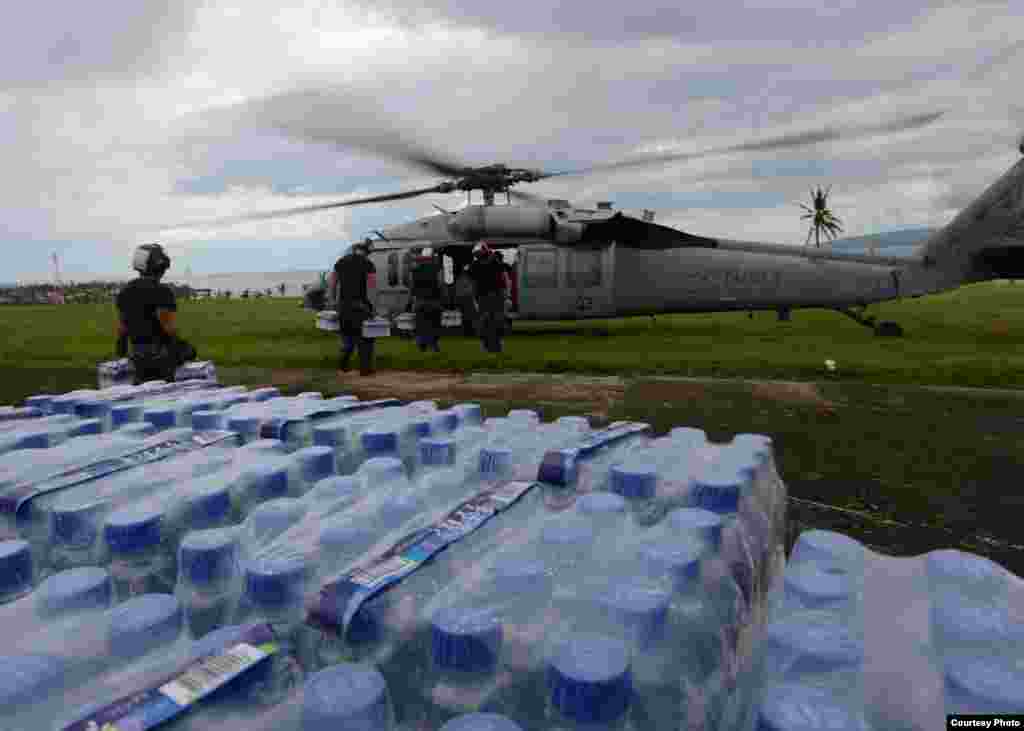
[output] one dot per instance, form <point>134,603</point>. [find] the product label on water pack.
<point>154,449</point>
<point>559,466</point>
<point>339,601</point>
<point>174,694</point>
<point>277,427</point>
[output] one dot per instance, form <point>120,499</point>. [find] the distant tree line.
<point>99,292</point>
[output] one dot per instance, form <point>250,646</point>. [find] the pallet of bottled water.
<point>236,558</point>
<point>859,640</point>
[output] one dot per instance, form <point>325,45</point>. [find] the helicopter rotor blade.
<point>299,210</point>
<point>344,119</point>
<point>782,142</point>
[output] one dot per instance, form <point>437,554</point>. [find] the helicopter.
<point>575,263</point>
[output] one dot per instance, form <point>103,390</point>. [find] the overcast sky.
<point>122,114</point>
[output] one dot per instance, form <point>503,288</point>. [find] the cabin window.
<point>584,269</point>
<point>393,269</point>
<point>541,268</point>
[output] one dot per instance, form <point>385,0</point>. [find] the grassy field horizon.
<point>863,449</point>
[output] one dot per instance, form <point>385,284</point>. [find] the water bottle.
<point>263,480</point>
<point>137,562</point>
<point>312,464</point>
<point>246,426</point>
<point>17,572</point>
<point>161,418</point>
<point>52,662</point>
<point>42,401</point>
<point>469,414</point>
<point>335,435</point>
<point>591,684</point>
<point>334,494</point>
<point>267,521</point>
<point>274,594</point>
<point>829,547</point>
<point>207,420</point>
<point>123,414</point>
<point>967,574</point>
<point>637,483</point>
<point>208,579</point>
<point>482,722</point>
<point>62,595</point>
<point>264,447</point>
<point>75,527</point>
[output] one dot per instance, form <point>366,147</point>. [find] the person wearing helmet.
<point>491,282</point>
<point>427,298</point>
<point>353,279</point>
<point>147,319</point>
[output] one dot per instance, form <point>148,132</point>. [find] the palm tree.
<point>822,219</point>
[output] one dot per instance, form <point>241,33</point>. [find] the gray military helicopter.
<point>575,263</point>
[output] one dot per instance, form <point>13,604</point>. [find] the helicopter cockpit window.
<point>393,269</point>
<point>540,268</point>
<point>584,269</point>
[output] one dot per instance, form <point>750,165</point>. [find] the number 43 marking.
<point>584,303</point>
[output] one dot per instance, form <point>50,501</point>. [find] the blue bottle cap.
<point>346,696</point>
<point>209,506</point>
<point>444,421</point>
<point>796,707</point>
<point>75,525</point>
<point>207,420</point>
<point>519,576</point>
<point>600,503</point>
<point>466,639</point>
<point>134,528</point>
<point>41,401</point>
<point>315,463</point>
<point>814,643</point>
<point>143,623</point>
<point>569,531</point>
<point>263,394</point>
<point>16,569</point>
<point>482,722</point>
<point>495,462</point>
<point>641,610</point>
<point>64,404</point>
<point>717,487</point>
<point>379,470</point>
<point>75,589</point>
<point>401,507</point>
<point>378,443</point>
<point>590,679</point>
<point>829,546</point>
<point>92,409</point>
<point>966,569</point>
<point>336,488</point>
<point>272,583</point>
<point>634,481</point>
<point>122,414</point>
<point>137,430</point>
<point>420,428</point>
<point>243,424</point>
<point>316,395</point>
<point>676,558</point>
<point>160,418</point>
<point>208,555</point>
<point>986,684</point>
<point>269,446</point>
<point>276,516</point>
<point>469,413</point>
<point>330,435</point>
<point>816,587</point>
<point>437,452</point>
<point>26,678</point>
<point>38,438</point>
<point>86,426</point>
<point>346,537</point>
<point>558,467</point>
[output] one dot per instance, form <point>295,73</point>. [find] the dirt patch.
<point>795,393</point>
<point>668,392</point>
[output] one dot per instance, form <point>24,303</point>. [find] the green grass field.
<point>970,337</point>
<point>947,463</point>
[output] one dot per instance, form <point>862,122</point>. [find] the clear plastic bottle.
<point>798,707</point>
<point>161,417</point>
<point>269,478</point>
<point>207,420</point>
<point>137,564</point>
<point>208,579</point>
<point>591,685</point>
<point>247,426</point>
<point>75,534</point>
<point>312,464</point>
<point>17,570</point>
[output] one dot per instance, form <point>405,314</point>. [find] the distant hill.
<point>892,243</point>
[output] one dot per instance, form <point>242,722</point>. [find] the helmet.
<point>150,260</point>
<point>483,250</point>
<point>366,246</point>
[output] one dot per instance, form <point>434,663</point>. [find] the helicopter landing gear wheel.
<point>887,329</point>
